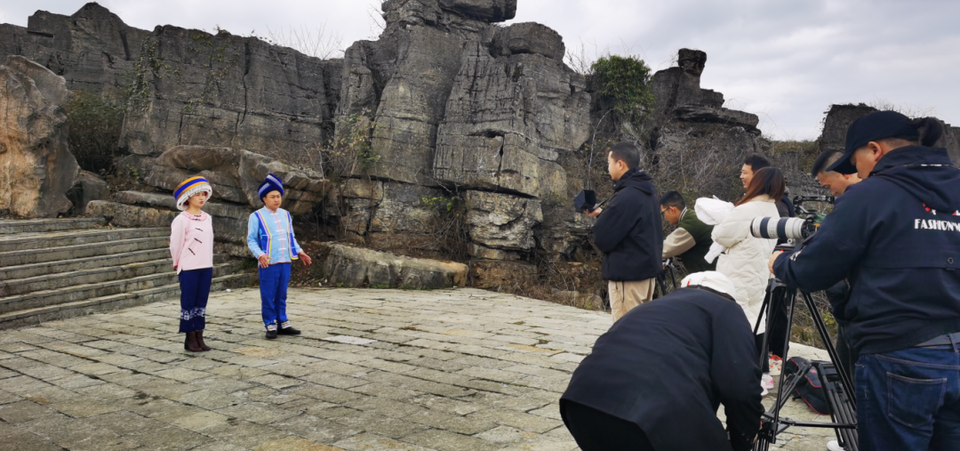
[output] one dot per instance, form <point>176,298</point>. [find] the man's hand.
<point>773,259</point>
<point>594,213</point>
<point>264,261</point>
<point>304,258</point>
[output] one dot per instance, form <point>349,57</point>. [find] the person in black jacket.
<point>896,237</point>
<point>628,232</point>
<point>655,380</point>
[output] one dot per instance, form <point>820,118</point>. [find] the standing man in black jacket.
<point>896,237</point>
<point>654,381</point>
<point>628,232</point>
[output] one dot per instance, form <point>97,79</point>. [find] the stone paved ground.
<point>459,369</point>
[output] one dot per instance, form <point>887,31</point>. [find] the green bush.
<point>94,125</point>
<point>623,84</point>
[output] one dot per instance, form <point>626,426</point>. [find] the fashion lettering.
<point>936,224</point>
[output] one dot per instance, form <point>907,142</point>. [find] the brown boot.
<point>203,346</point>
<point>191,344</point>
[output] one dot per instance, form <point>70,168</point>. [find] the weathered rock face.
<point>187,86</point>
<point>36,166</point>
<point>92,49</point>
<point>460,103</point>
<point>680,86</point>
<point>194,88</point>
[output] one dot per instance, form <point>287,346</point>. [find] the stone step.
<point>31,256</point>
<point>46,240</point>
<point>83,276</point>
<point>77,264</point>
<point>84,291</point>
<point>34,316</point>
<point>15,226</point>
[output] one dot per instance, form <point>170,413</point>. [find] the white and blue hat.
<point>188,188</point>
<point>272,183</point>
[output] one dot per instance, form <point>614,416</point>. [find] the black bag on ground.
<point>809,388</point>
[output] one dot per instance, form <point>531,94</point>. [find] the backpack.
<point>808,388</point>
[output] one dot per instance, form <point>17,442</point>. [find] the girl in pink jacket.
<point>191,246</point>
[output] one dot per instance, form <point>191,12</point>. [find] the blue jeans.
<point>274,280</point>
<point>909,399</point>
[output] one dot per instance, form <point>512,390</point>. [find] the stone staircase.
<point>58,268</point>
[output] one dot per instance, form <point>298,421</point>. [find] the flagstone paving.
<point>459,369</point>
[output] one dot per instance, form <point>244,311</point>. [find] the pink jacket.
<point>191,241</point>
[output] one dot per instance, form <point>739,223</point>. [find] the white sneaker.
<point>834,445</point>
<point>766,382</point>
<point>776,365</point>
<point>764,392</point>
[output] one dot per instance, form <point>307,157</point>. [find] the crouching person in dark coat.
<point>657,378</point>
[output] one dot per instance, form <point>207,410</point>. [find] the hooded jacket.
<point>628,231</point>
<point>896,236</point>
<point>667,366</point>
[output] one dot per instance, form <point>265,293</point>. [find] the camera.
<point>796,229</point>
<point>786,228</point>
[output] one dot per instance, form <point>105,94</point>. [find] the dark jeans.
<point>909,399</point>
<point>194,291</point>
<point>597,431</point>
<point>274,280</point>
<point>846,354</point>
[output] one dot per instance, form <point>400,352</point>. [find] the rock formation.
<point>839,117</point>
<point>38,169</point>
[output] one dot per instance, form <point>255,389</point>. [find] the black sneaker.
<point>271,335</point>
<point>288,331</point>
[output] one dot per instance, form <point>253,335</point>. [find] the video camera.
<point>795,229</point>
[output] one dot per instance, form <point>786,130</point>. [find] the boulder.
<point>730,118</point>
<point>680,86</point>
<point>354,267</point>
<point>501,221</point>
<point>529,37</point>
<point>236,175</point>
<point>88,187</point>
<point>485,10</point>
<point>37,166</point>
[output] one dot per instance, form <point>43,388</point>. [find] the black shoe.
<point>271,335</point>
<point>288,331</point>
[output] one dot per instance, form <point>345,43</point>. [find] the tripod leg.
<point>843,373</point>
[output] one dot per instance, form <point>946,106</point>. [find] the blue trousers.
<point>909,399</point>
<point>274,280</point>
<point>194,291</point>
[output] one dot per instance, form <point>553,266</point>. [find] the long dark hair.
<point>767,181</point>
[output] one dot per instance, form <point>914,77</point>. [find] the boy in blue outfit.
<point>270,238</point>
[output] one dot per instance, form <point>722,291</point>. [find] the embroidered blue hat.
<point>188,188</point>
<point>272,183</point>
<point>873,127</point>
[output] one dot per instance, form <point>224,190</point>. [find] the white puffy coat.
<point>745,259</point>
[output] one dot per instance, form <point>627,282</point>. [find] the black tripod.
<point>835,379</point>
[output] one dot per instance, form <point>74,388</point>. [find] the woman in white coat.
<point>744,259</point>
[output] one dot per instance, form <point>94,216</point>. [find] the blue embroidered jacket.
<point>270,233</point>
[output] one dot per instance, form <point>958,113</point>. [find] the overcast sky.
<point>785,60</point>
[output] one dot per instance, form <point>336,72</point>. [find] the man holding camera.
<point>628,232</point>
<point>691,239</point>
<point>896,237</point>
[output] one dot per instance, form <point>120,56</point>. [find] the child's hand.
<point>264,261</point>
<point>305,258</point>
